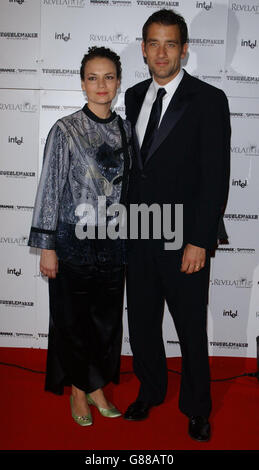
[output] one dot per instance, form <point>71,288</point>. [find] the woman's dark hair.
<point>167,18</point>
<point>103,52</point>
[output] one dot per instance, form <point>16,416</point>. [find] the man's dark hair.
<point>103,52</point>
<point>167,18</point>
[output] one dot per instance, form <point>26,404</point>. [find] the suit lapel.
<point>138,99</point>
<point>176,108</point>
<point>137,148</point>
<point>136,107</point>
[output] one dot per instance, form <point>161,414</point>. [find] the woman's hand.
<point>48,263</point>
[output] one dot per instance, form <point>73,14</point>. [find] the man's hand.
<point>193,259</point>
<point>49,263</point>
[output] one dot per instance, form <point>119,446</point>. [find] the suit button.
<point>143,175</point>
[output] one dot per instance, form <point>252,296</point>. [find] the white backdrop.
<point>42,43</point>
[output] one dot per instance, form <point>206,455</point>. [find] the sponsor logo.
<point>204,5</point>
<point>23,107</point>
<point>118,38</point>
<point>14,271</point>
<point>61,72</point>
<point>119,109</point>
<point>47,107</point>
<point>16,303</point>
<point>100,2</point>
<point>245,115</point>
<point>240,217</point>
<point>228,345</point>
<point>241,283</point>
<point>16,208</point>
<point>24,335</point>
<point>17,174</point>
<point>18,71</point>
<point>229,313</point>
<point>20,2</point>
<point>17,35</point>
<point>209,78</point>
<point>251,150</point>
<point>205,42</point>
<point>20,241</point>
<point>240,183</point>
<point>65,3</point>
<point>15,140</point>
<point>243,79</point>
<point>115,3</point>
<point>142,75</point>
<point>248,43</point>
<point>17,335</point>
<point>242,251</point>
<point>245,8</point>
<point>62,36</point>
<point>157,4</point>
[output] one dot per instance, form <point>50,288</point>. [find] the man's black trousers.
<point>153,277</point>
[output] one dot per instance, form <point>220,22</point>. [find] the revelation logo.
<point>118,38</point>
<point>19,241</point>
<point>22,107</point>
<point>241,283</point>
<point>65,3</point>
<point>247,151</point>
<point>245,7</point>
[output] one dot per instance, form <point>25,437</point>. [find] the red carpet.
<point>32,419</point>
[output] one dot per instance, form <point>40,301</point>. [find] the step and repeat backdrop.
<point>42,43</point>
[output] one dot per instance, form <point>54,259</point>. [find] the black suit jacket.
<point>189,160</point>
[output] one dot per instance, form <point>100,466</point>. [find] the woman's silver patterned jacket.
<point>85,157</point>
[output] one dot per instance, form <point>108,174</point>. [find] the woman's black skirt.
<point>85,327</point>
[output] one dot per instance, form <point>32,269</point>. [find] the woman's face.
<point>100,81</point>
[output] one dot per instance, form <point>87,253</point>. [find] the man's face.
<point>163,51</point>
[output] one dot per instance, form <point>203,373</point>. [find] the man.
<point>182,139</point>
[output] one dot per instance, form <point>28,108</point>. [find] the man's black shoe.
<point>199,428</point>
<point>137,411</point>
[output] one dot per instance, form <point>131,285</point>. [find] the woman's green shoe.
<point>85,420</point>
<point>107,412</point>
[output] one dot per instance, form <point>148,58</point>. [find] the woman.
<point>86,158</point>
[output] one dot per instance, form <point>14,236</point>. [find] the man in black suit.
<point>181,136</point>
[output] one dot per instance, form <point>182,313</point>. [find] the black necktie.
<point>152,123</point>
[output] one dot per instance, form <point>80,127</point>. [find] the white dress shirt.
<point>149,99</point>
